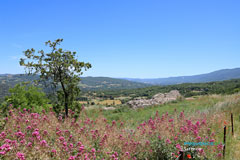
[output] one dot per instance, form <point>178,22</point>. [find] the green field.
<point>216,107</point>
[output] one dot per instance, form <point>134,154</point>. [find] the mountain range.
<point>105,83</point>
<point>219,75</point>
<point>87,83</point>
<point>8,81</point>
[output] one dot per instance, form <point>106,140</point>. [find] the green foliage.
<point>75,109</point>
<point>187,89</point>
<point>59,67</point>
<point>26,96</point>
<point>58,108</point>
<point>87,83</point>
<point>106,83</point>
<point>161,150</point>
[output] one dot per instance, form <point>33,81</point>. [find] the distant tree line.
<point>186,89</point>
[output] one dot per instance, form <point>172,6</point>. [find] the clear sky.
<point>126,38</point>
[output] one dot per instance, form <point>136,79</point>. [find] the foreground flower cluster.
<point>44,136</point>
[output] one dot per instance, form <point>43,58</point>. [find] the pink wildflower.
<point>197,123</point>
<point>181,115</point>
<point>3,135</point>
<point>200,150</point>
<point>219,155</point>
<point>178,147</point>
<point>2,153</point>
<point>168,141</point>
<point>43,143</point>
<point>220,146</point>
<point>61,138</point>
<point>71,145</point>
<point>45,132</point>
<point>198,138</point>
<point>195,132</point>
<point>35,133</point>
<point>147,142</point>
<point>29,144</point>
<point>64,144</point>
<point>29,127</point>
<point>81,148</point>
<point>8,141</point>
<point>93,150</point>
<point>79,143</point>
<point>72,158</point>
<point>20,156</point>
<point>54,151</point>
<point>23,141</point>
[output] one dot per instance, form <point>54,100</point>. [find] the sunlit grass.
<point>203,117</point>
<point>217,108</point>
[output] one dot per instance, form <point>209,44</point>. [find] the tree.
<point>59,68</point>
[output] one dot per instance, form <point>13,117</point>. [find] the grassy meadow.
<point>216,108</point>
<point>156,132</point>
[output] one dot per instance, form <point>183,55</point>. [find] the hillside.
<point>220,75</point>
<point>106,83</point>
<point>186,89</point>
<point>88,83</point>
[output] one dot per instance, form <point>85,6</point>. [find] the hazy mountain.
<point>86,82</point>
<point>220,75</point>
<point>105,83</point>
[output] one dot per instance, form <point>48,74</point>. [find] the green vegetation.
<point>159,131</point>
<point>86,84</point>
<point>9,81</point>
<point>105,83</point>
<point>209,101</point>
<point>25,96</point>
<point>58,67</point>
<point>187,89</point>
<point>99,93</point>
<point>216,108</point>
<point>133,117</point>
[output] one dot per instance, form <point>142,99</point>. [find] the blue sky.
<point>126,38</point>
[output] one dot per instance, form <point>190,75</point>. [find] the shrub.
<point>26,96</point>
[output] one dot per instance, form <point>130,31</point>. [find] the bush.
<point>26,96</point>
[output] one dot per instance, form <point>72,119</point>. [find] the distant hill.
<point>186,89</point>
<point>106,83</point>
<point>220,75</point>
<point>88,83</point>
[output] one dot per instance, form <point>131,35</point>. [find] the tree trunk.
<point>66,104</point>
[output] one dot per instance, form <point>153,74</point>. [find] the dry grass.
<point>103,102</point>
